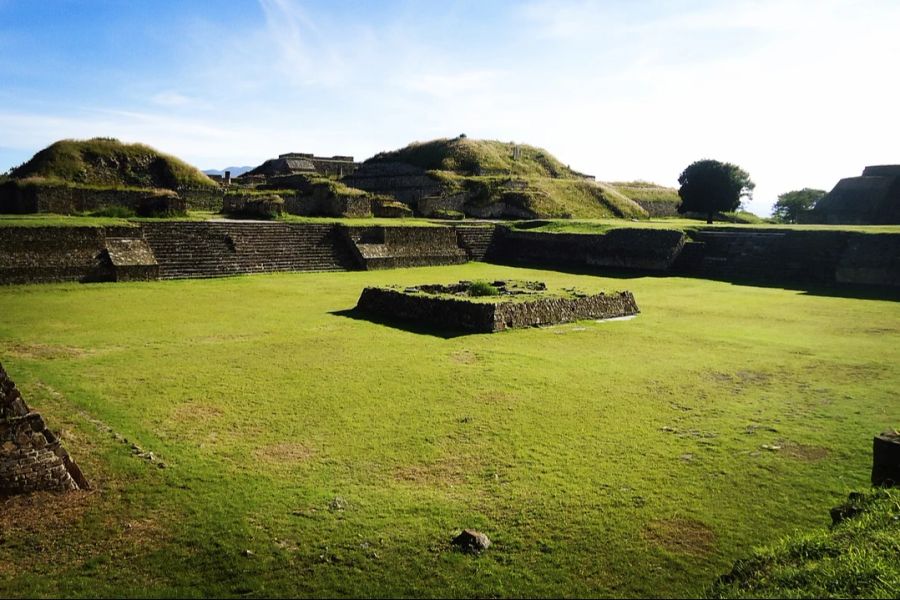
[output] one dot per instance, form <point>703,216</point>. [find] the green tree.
<point>791,205</point>
<point>709,186</point>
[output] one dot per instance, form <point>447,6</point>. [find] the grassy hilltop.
<point>107,162</point>
<point>525,177</point>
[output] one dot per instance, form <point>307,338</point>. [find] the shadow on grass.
<point>410,326</point>
<point>857,291</point>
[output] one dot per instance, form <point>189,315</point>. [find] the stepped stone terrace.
<point>488,307</point>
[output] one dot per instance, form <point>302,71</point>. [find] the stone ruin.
<point>31,458</point>
<point>488,307</point>
<point>871,199</point>
<point>297,163</point>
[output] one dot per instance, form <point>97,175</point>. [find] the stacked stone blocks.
<point>31,456</point>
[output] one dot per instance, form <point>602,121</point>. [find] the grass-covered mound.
<point>857,558</point>
<point>465,156</point>
<point>657,200</point>
<point>507,179</point>
<point>107,162</point>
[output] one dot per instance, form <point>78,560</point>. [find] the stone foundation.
<point>458,313</point>
<point>395,247</point>
<point>31,457</point>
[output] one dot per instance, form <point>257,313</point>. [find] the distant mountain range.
<point>235,171</point>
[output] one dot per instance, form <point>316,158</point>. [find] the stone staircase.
<point>476,240</point>
<point>219,249</point>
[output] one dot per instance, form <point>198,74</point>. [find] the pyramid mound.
<point>871,199</point>
<point>466,156</point>
<point>488,179</point>
<point>109,162</point>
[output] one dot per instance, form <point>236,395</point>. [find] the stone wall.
<point>430,205</point>
<point>658,208</point>
<point>206,198</point>
<point>49,254</point>
<point>69,199</point>
<point>631,248</point>
<point>795,256</point>
<point>31,457</point>
<point>488,317</point>
<point>477,240</point>
<point>400,181</point>
<point>130,259</point>
<point>322,203</point>
<point>202,249</point>
<point>396,247</point>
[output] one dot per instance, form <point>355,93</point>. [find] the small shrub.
<point>483,288</point>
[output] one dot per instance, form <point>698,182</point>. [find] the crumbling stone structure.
<point>394,247</point>
<point>31,457</point>
<point>67,199</point>
<point>872,199</point>
<point>49,254</point>
<point>299,163</point>
<point>444,307</point>
<point>401,181</point>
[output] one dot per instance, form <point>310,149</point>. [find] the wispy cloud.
<point>795,92</point>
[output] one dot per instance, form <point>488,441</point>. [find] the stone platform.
<point>485,307</point>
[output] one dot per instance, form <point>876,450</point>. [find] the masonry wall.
<point>546,311</point>
<point>645,249</point>
<point>66,199</point>
<point>395,247</point>
<point>49,254</point>
<point>486,317</point>
<point>31,457</point>
<point>796,256</point>
<point>659,208</point>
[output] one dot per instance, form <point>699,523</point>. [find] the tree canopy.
<point>709,186</point>
<point>791,205</point>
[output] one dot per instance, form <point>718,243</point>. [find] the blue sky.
<point>799,94</point>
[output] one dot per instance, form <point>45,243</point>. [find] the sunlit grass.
<point>309,452</point>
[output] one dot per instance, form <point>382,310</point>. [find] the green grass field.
<point>311,453</point>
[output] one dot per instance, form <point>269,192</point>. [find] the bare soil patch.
<point>44,351</point>
<point>464,357</point>
<point>804,452</point>
<point>684,536</point>
<point>285,452</point>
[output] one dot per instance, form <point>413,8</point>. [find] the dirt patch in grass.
<point>464,357</point>
<point>49,512</point>
<point>197,411</point>
<point>806,453</point>
<point>684,536</point>
<point>497,397</point>
<point>742,378</point>
<point>283,453</point>
<point>44,351</point>
<point>448,471</point>
<point>45,532</point>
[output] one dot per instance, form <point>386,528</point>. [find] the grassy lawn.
<point>310,453</point>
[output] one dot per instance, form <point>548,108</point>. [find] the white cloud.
<point>799,94</point>
<point>170,98</point>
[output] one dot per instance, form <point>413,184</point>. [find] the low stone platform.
<point>488,307</point>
